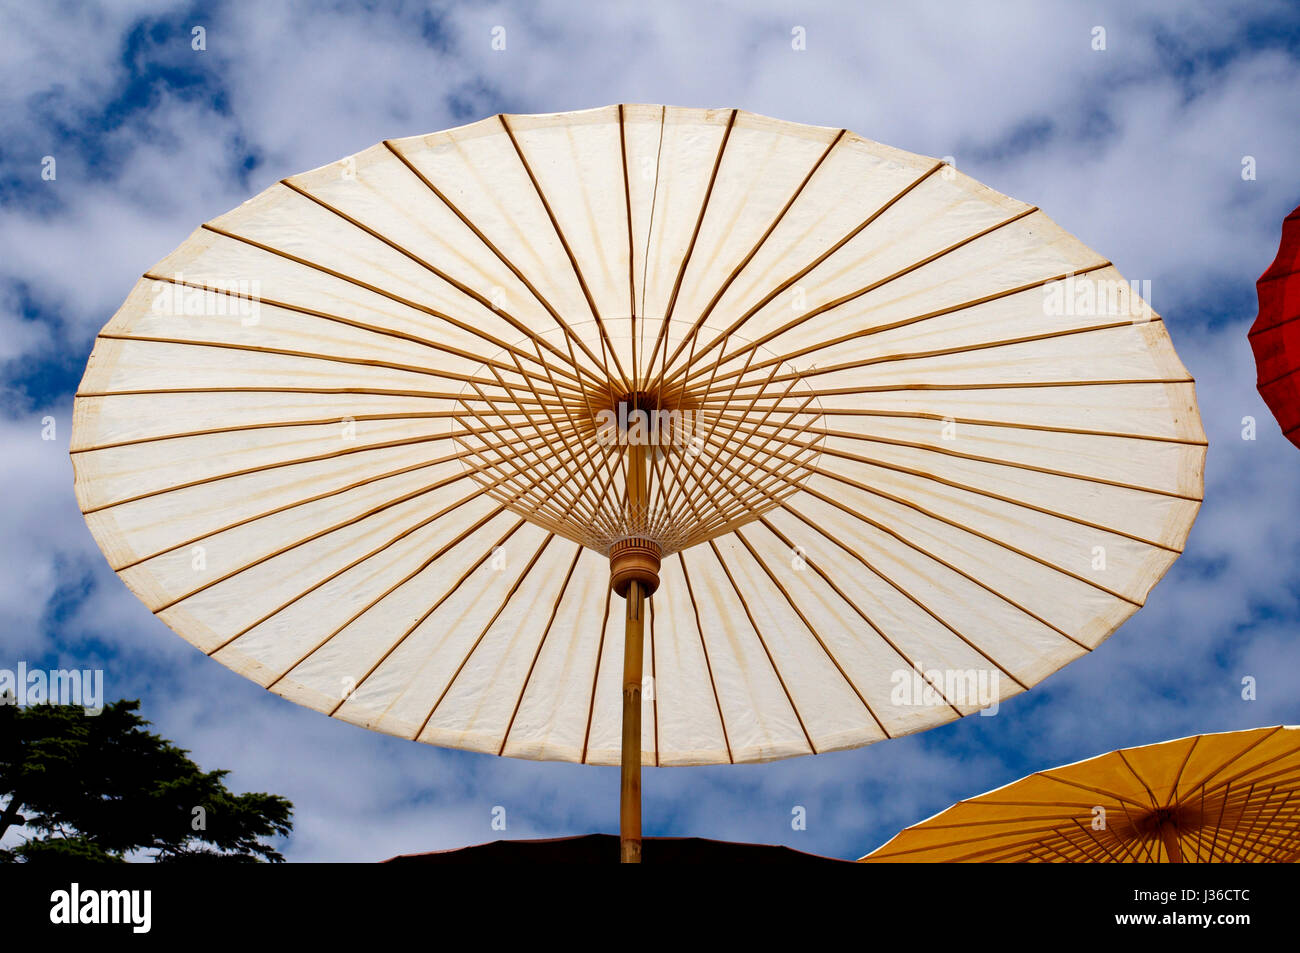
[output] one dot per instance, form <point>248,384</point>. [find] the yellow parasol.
<point>1222,798</point>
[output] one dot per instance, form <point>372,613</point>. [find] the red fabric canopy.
<point>1275,336</point>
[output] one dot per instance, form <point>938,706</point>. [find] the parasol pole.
<point>634,575</point>
<point>629,814</point>
<point>1169,834</point>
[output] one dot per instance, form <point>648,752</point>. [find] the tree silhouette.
<point>99,787</point>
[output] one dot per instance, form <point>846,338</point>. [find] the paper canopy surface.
<point>1222,798</point>
<point>363,439</point>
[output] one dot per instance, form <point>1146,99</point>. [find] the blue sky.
<point>1137,149</point>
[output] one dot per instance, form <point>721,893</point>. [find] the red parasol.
<point>1275,336</point>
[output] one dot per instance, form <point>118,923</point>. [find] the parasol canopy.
<point>840,442</point>
<point>1275,335</point>
<point>1220,798</point>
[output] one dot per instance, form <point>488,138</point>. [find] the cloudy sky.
<point>1137,148</point>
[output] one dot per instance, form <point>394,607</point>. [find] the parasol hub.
<point>634,559</point>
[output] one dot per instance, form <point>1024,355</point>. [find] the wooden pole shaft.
<point>1169,834</point>
<point>629,813</point>
<point>630,787</point>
